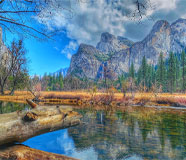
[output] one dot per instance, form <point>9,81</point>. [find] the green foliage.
<point>171,72</point>
<point>161,73</point>
<point>166,76</point>
<point>183,70</point>
<point>13,68</point>
<point>104,57</point>
<point>144,75</point>
<point>53,82</point>
<point>132,71</point>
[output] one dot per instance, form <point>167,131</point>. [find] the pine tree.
<point>132,71</point>
<point>144,71</point>
<point>153,74</point>
<point>177,72</point>
<point>171,72</point>
<point>183,68</point>
<point>148,77</point>
<point>161,70</point>
<point>61,80</point>
<point>139,76</point>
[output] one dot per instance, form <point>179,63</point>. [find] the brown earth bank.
<point>21,152</point>
<point>91,98</point>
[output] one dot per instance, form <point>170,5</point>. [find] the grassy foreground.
<point>100,98</point>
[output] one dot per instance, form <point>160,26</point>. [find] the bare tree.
<point>140,10</point>
<point>19,16</point>
<point>19,64</point>
<point>108,75</point>
<point>13,65</point>
<point>34,86</point>
<point>132,86</point>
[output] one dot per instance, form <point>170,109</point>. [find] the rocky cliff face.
<point>3,50</point>
<point>85,63</point>
<point>109,43</point>
<point>119,52</point>
<point>62,71</point>
<point>178,35</point>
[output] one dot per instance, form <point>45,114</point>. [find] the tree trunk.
<point>2,89</point>
<point>22,125</point>
<point>12,91</point>
<point>20,152</point>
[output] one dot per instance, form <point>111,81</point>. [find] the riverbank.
<point>84,98</point>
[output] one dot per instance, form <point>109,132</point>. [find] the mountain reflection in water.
<point>133,134</point>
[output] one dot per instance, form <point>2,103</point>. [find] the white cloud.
<point>70,49</point>
<point>183,16</point>
<point>90,19</point>
<point>85,20</point>
<point>69,55</point>
<point>164,4</point>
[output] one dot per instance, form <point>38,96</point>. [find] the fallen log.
<point>22,125</point>
<point>21,152</point>
<point>31,103</point>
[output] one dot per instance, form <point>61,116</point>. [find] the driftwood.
<point>21,152</point>
<point>22,125</point>
<point>31,103</point>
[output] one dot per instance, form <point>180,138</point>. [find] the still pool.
<point>131,134</point>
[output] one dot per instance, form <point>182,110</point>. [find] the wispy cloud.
<point>85,20</point>
<point>70,49</point>
<point>166,5</point>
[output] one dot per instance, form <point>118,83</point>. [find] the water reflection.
<point>133,134</point>
<point>59,142</point>
<point>7,107</point>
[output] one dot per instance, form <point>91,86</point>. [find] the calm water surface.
<point>132,134</point>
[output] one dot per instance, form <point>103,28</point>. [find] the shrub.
<point>143,101</point>
<point>180,101</point>
<point>54,96</point>
<point>165,100</point>
<point>125,101</point>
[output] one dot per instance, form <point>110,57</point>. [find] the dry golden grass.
<point>66,97</point>
<point>19,96</point>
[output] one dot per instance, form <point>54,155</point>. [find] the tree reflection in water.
<point>7,107</point>
<point>137,134</point>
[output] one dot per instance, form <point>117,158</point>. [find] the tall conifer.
<point>171,72</point>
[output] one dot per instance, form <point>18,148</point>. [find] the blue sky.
<point>84,22</point>
<point>45,56</point>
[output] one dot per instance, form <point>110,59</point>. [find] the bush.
<point>54,96</point>
<point>180,101</point>
<point>166,100</point>
<point>143,101</point>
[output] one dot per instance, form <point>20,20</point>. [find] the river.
<point>135,133</point>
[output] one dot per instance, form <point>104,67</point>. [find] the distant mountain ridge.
<point>120,52</point>
<point>63,71</point>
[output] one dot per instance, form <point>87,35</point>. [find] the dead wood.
<point>20,126</point>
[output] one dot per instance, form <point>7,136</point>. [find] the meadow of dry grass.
<point>73,97</point>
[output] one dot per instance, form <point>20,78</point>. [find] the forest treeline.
<point>168,75</point>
